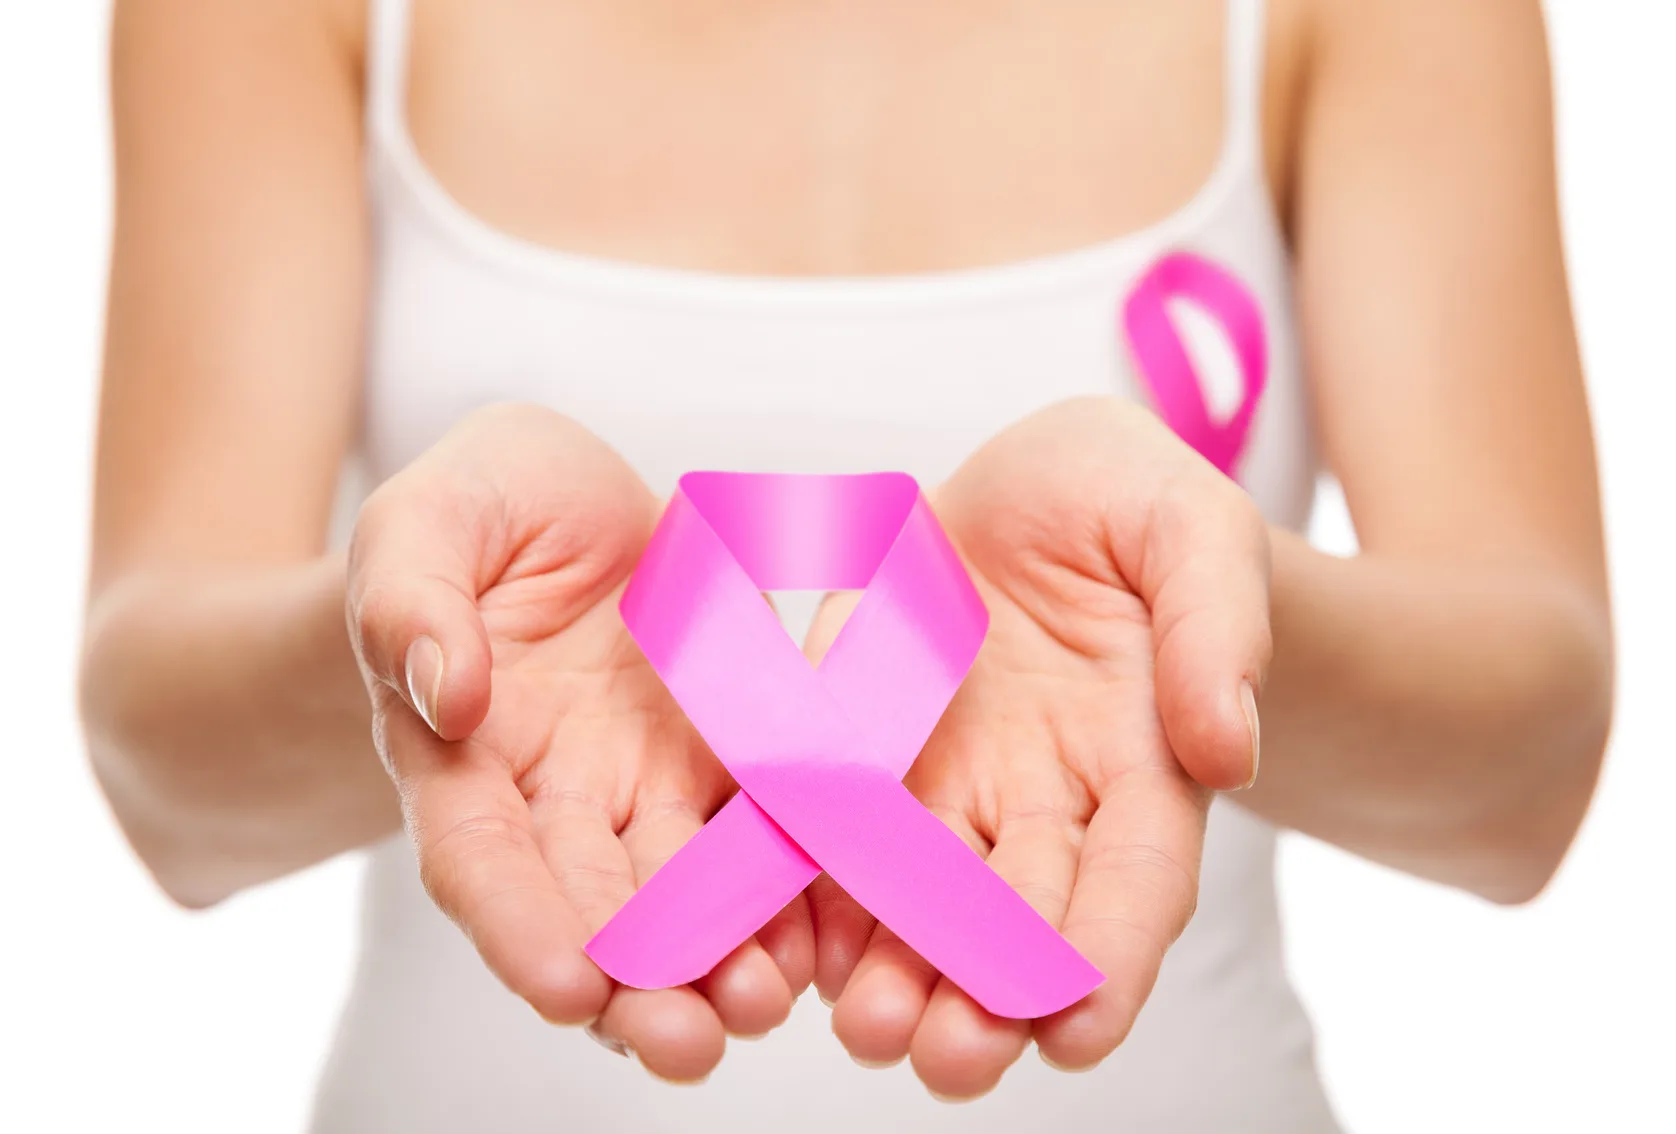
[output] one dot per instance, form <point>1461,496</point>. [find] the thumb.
<point>412,606</point>
<point>1206,581</point>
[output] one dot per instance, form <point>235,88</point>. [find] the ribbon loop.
<point>1165,366</point>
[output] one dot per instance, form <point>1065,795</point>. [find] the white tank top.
<point>682,369</point>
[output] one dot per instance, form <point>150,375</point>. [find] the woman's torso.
<point>812,193</point>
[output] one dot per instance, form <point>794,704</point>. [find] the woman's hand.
<point>1127,584</point>
<point>544,771</point>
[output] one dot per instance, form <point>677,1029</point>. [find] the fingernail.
<point>824,1000</point>
<point>1248,697</point>
<point>609,1043</point>
<point>424,678</point>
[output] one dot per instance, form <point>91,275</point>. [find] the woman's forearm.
<point>228,725</point>
<point>1446,721</point>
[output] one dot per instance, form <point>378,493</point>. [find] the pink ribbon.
<point>819,754</point>
<point>1177,392</point>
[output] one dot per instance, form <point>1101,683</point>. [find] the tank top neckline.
<point>397,166</point>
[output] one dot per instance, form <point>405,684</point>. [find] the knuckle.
<point>373,516</point>
<point>1102,411</point>
<point>449,859</point>
<point>503,431</point>
<point>1153,872</point>
<point>498,415</point>
<point>1137,940</point>
<point>596,883</point>
<point>366,540</point>
<point>1043,897</point>
<point>682,811</point>
<point>1263,647</point>
<point>1044,812</point>
<point>374,612</point>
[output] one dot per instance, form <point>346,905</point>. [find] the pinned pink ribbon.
<point>1177,392</point>
<point>819,754</point>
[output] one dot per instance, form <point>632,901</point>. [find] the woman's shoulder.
<point>265,28</point>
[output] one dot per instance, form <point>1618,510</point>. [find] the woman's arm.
<point>1441,702</point>
<point>225,716</point>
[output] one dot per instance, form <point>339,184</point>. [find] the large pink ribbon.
<point>1169,373</point>
<point>819,754</point>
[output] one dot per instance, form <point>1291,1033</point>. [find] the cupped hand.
<point>1127,584</point>
<point>543,769</point>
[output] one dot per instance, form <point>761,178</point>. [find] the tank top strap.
<point>1246,37</point>
<point>386,63</point>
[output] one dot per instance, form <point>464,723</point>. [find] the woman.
<point>823,238</point>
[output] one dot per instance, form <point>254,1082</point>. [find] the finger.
<point>507,482</point>
<point>674,1032</point>
<point>749,994</point>
<point>789,938</point>
<point>479,861</point>
<point>412,604</point>
<point>842,931</point>
<point>829,617</point>
<point>746,988</point>
<point>1136,886</point>
<point>960,1051</point>
<point>1206,581</point>
<point>881,1006</point>
<point>582,851</point>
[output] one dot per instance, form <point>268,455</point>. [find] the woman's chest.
<point>797,138</point>
<point>748,363</point>
<point>680,370</point>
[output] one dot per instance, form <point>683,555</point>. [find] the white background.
<point>1435,1012</point>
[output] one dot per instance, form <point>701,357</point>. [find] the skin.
<point>1439,703</point>
<point>1127,584</point>
<point>548,773</point>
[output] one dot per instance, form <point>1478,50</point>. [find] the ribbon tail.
<point>716,891</point>
<point>921,879</point>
